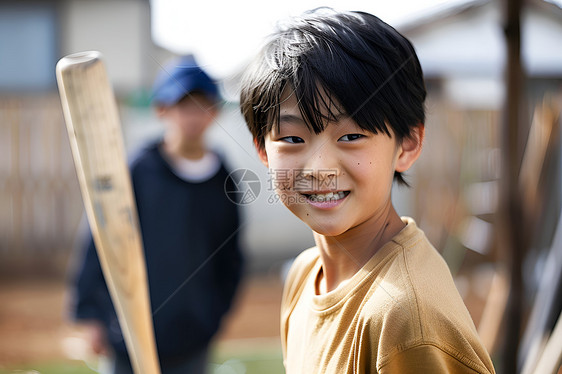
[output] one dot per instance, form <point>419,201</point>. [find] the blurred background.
<point>475,166</point>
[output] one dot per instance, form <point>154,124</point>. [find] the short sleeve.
<point>427,358</point>
<point>293,288</point>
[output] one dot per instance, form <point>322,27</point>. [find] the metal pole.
<point>511,222</point>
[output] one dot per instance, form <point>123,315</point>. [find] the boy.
<point>189,230</point>
<point>335,101</point>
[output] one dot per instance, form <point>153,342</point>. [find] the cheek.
<point>360,165</point>
<point>281,179</point>
<point>368,170</point>
<point>281,173</point>
<point>280,163</point>
<point>279,160</point>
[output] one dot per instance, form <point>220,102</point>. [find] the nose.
<point>321,164</point>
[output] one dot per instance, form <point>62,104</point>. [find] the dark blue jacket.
<point>194,263</point>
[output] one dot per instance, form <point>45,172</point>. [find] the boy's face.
<point>338,179</point>
<point>190,117</point>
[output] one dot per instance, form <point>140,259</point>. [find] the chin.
<point>318,224</point>
<point>326,229</point>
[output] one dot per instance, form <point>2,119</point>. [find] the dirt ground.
<point>34,328</point>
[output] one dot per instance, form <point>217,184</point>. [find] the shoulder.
<point>420,313</point>
<point>413,331</point>
<point>432,358</point>
<point>298,273</point>
<point>146,157</point>
<point>302,264</point>
<point>418,282</point>
<point>223,158</point>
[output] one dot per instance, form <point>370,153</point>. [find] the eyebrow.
<point>341,116</point>
<point>291,118</point>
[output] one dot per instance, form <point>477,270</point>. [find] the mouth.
<point>326,196</point>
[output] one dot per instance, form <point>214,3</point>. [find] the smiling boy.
<point>336,102</point>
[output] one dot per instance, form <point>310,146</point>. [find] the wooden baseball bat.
<point>96,140</point>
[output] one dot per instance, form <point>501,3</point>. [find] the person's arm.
<point>90,297</point>
<point>230,260</point>
<point>428,358</point>
<point>96,336</point>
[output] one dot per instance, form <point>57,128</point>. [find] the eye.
<point>292,139</point>
<point>350,137</point>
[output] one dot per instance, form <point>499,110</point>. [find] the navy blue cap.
<point>179,78</point>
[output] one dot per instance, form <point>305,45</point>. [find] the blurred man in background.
<point>189,230</point>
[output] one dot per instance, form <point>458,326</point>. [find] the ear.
<point>160,110</point>
<point>261,153</point>
<point>410,148</point>
<point>214,110</point>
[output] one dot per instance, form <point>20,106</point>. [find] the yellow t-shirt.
<point>401,313</point>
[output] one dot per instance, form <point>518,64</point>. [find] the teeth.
<point>334,196</point>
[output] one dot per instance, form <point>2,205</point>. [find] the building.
<point>40,201</point>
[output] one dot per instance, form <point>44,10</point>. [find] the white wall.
<point>472,43</point>
<point>120,30</point>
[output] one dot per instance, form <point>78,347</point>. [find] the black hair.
<point>336,63</point>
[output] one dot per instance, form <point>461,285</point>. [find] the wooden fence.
<point>454,182</point>
<point>39,195</point>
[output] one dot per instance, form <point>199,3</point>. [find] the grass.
<point>254,357</point>
<point>257,358</point>
<point>67,367</point>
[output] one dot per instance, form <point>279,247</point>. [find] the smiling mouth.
<point>329,196</point>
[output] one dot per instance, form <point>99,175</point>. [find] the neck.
<point>191,150</point>
<point>342,256</point>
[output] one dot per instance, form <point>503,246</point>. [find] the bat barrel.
<point>78,60</point>
<point>96,141</point>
